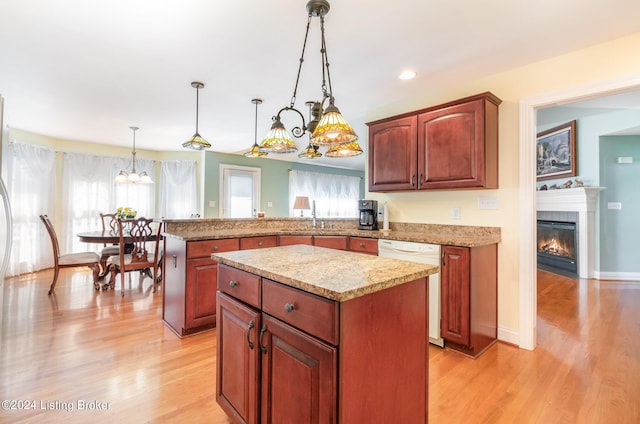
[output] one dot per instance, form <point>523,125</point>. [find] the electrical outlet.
<point>269,204</point>
<point>487,202</point>
<point>455,212</point>
<point>212,203</point>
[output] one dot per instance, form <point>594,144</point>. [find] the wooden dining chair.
<point>70,260</point>
<point>110,225</point>
<point>142,234</point>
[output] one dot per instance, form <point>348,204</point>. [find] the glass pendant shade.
<point>255,152</point>
<point>121,177</point>
<point>196,143</point>
<point>344,150</point>
<point>310,152</point>
<point>333,129</point>
<point>278,140</point>
<point>133,177</point>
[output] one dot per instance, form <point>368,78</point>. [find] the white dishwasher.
<point>426,254</point>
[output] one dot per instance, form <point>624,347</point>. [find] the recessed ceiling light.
<point>407,75</point>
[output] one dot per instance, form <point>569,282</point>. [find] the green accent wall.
<point>274,178</point>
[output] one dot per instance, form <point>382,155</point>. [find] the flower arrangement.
<point>124,213</point>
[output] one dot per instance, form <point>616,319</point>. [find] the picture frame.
<point>556,152</point>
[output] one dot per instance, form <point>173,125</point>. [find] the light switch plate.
<point>487,202</point>
<point>269,204</point>
<point>212,203</point>
<point>455,212</point>
<point>614,205</point>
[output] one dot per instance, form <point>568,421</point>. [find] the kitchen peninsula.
<point>469,267</point>
<point>321,335</point>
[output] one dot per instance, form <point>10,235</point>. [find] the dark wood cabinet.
<point>449,146</point>
<point>278,360</point>
<point>258,242</point>
<point>286,240</point>
<point>363,245</point>
<point>189,292</point>
<point>469,311</point>
<point>331,242</point>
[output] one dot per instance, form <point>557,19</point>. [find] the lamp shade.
<point>333,128</point>
<point>278,140</point>
<point>302,203</point>
<point>344,150</point>
<point>196,143</point>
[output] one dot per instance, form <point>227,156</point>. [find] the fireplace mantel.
<point>583,200</point>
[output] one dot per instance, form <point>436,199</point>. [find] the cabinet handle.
<point>175,261</point>
<point>444,262</point>
<point>420,179</point>
<point>413,180</point>
<point>263,348</point>
<point>233,284</point>
<point>216,248</point>
<point>288,307</point>
<point>251,325</point>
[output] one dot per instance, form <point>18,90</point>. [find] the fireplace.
<point>557,246</point>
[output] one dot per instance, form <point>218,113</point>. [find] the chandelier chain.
<point>301,60</point>
<point>325,62</point>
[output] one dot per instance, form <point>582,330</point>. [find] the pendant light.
<point>197,142</point>
<point>311,151</point>
<point>133,176</point>
<point>332,128</point>
<point>255,151</point>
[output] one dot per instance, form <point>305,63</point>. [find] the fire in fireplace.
<point>557,246</point>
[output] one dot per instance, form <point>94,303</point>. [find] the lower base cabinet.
<point>281,350</point>
<point>469,293</point>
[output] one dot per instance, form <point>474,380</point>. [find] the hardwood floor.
<point>86,346</point>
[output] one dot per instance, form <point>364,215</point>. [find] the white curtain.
<point>178,193</point>
<point>335,195</point>
<point>31,185</point>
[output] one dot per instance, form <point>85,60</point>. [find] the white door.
<point>239,191</point>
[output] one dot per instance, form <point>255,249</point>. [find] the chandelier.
<point>196,142</point>
<point>329,127</point>
<point>133,176</point>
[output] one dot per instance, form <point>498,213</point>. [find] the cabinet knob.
<point>288,307</point>
<point>233,283</point>
<point>215,248</point>
<point>361,244</point>
<point>259,243</point>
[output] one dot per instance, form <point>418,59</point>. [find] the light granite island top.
<point>333,274</point>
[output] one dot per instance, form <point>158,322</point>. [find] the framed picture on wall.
<point>556,152</point>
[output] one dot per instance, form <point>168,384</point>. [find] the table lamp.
<point>302,203</point>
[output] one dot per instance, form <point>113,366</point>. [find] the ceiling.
<point>88,71</point>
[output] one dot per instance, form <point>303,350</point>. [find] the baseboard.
<point>618,276</point>
<point>509,336</point>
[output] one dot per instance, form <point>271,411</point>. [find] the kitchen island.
<point>309,334</point>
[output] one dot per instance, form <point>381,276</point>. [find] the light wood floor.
<point>85,346</point>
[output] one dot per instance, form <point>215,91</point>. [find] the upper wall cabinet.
<point>450,146</point>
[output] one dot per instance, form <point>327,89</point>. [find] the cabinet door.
<point>393,155</point>
<point>455,295</point>
<point>200,296</point>
<point>299,376</point>
<point>238,360</point>
<point>451,146</point>
<point>258,242</point>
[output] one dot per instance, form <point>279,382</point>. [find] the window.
<point>178,195</point>
<point>239,191</point>
<point>335,195</point>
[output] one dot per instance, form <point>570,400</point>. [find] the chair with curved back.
<point>109,225</point>
<point>70,260</point>
<point>142,235</point>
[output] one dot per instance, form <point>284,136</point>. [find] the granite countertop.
<point>333,274</point>
<point>464,236</point>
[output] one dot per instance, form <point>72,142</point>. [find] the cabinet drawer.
<point>363,245</point>
<point>239,284</point>
<point>291,240</point>
<point>332,242</point>
<point>258,242</point>
<point>204,248</point>
<point>310,313</point>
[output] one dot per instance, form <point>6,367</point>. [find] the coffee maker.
<point>368,214</point>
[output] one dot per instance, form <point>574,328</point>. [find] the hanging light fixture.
<point>311,151</point>
<point>344,150</point>
<point>255,151</point>
<point>133,176</point>
<point>332,128</point>
<point>197,142</point>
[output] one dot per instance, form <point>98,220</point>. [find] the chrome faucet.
<point>313,214</point>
